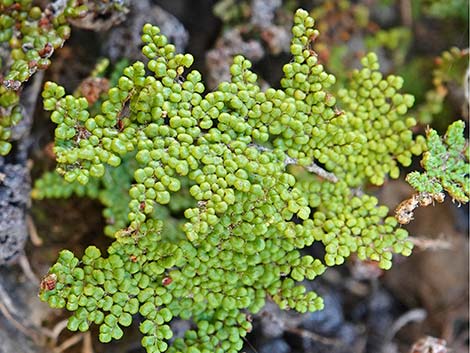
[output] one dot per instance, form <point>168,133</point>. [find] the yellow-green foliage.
<point>31,34</point>
<point>446,164</point>
<point>268,173</point>
<point>375,115</point>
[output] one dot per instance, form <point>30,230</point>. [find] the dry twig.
<point>314,336</point>
<point>425,243</point>
<point>72,341</point>
<point>33,232</point>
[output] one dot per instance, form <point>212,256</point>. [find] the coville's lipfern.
<point>31,35</point>
<point>267,173</point>
<point>446,170</point>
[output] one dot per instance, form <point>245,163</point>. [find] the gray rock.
<point>117,46</point>
<point>275,346</point>
<point>263,12</point>
<point>326,321</point>
<point>13,233</point>
<point>15,182</point>
<point>19,332</point>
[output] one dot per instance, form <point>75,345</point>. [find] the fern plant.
<point>31,35</point>
<point>264,174</point>
<point>446,169</point>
